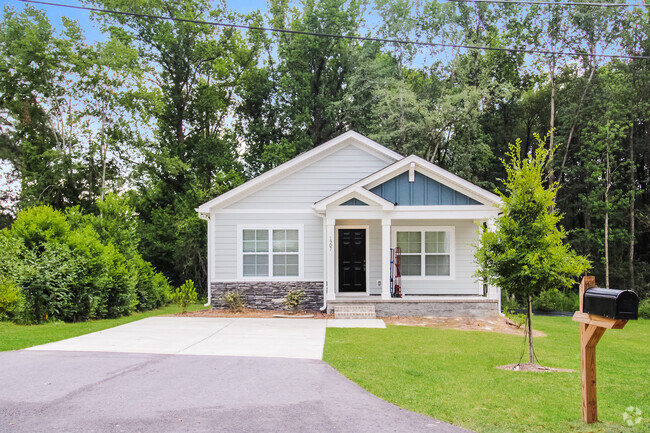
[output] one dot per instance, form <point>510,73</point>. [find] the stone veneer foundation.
<point>268,295</point>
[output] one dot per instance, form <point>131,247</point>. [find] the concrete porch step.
<point>351,311</point>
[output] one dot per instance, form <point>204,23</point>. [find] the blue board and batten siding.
<point>424,191</point>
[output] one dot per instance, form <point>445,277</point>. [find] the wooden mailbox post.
<point>592,328</point>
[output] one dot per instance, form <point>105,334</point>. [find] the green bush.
<point>517,319</point>
<point>39,225</point>
<point>555,300</point>
<point>11,299</point>
<point>152,288</point>
<point>294,298</point>
<point>508,301</point>
<point>184,295</point>
<point>644,309</point>
<point>75,267</point>
<point>234,301</point>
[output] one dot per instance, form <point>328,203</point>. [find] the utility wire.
<point>333,36</point>
<point>532,2</point>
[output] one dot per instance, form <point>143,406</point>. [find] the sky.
<point>91,28</point>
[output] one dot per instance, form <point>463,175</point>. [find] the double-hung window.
<point>272,252</point>
<point>426,252</point>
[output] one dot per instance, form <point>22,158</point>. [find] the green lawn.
<point>13,337</point>
<point>450,375</point>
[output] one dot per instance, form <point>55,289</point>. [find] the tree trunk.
<point>607,179</point>
<point>575,121</point>
<point>103,152</point>
<point>632,200</point>
<point>551,141</point>
<point>531,348</point>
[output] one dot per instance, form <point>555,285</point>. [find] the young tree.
<point>526,254</point>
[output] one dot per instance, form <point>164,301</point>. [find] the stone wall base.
<point>268,295</point>
<point>461,308</point>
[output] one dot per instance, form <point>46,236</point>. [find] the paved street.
<point>59,391</point>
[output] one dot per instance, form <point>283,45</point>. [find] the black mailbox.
<point>615,304</point>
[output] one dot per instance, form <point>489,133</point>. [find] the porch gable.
<point>416,189</point>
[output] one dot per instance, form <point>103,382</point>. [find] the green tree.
<point>526,253</point>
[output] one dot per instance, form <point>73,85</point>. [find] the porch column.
<point>385,258</point>
<point>330,259</point>
<point>493,292</point>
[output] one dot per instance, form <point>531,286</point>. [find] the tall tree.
<point>526,253</point>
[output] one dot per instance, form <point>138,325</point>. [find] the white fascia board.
<point>350,192</point>
<point>433,171</point>
<point>300,161</point>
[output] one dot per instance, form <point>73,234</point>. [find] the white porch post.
<point>493,292</point>
<point>385,258</point>
<point>330,259</point>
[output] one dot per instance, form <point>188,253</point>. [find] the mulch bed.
<point>249,313</point>
<point>534,368</point>
<point>496,324</point>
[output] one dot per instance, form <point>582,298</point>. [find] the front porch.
<point>422,306</point>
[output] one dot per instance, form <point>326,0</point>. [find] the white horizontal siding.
<point>464,283</point>
<point>314,182</point>
<point>223,266</point>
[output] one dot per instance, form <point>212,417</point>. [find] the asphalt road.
<point>59,391</point>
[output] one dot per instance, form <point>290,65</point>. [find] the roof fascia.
<point>352,191</point>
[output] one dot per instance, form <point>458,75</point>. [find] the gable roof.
<point>302,160</point>
<point>352,191</point>
<point>434,172</point>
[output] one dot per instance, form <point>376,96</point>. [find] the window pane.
<point>255,265</point>
<point>409,242</point>
<point>412,265</point>
<point>285,265</point>
<point>436,242</point>
<point>437,265</point>
<point>285,241</point>
<point>255,241</point>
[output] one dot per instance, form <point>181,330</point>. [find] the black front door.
<point>352,260</point>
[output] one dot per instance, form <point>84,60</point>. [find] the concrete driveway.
<point>75,392</point>
<point>278,338</point>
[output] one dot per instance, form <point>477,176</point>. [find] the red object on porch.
<point>397,285</point>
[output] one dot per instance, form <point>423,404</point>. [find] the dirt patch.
<point>497,324</point>
<point>534,368</point>
<point>249,313</point>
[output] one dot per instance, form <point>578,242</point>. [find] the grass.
<point>450,375</point>
<point>13,337</point>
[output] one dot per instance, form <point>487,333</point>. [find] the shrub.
<point>11,298</point>
<point>517,319</point>
<point>152,288</point>
<point>555,300</point>
<point>508,301</point>
<point>39,225</point>
<point>184,295</point>
<point>644,309</point>
<point>294,298</point>
<point>234,301</point>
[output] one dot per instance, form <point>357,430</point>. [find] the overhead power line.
<point>549,3</point>
<point>333,36</point>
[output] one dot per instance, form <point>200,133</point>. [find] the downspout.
<point>206,217</point>
<point>323,216</point>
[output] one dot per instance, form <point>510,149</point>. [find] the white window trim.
<point>270,277</point>
<point>452,250</point>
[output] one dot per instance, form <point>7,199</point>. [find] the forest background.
<point>169,114</point>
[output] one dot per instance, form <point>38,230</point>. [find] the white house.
<point>327,221</point>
